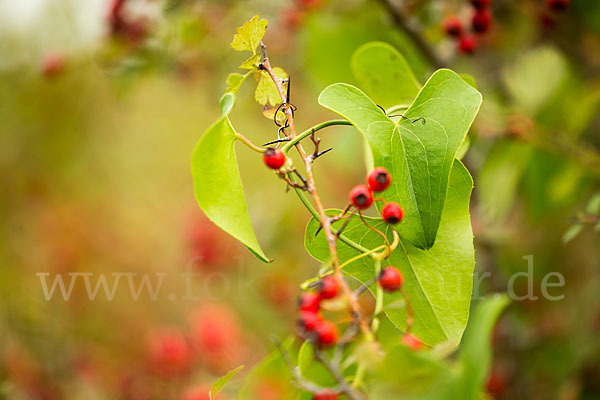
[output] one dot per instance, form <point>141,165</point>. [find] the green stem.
<point>396,108</point>
<point>248,143</point>
<point>310,131</point>
<point>360,373</point>
<point>378,298</point>
<point>364,254</point>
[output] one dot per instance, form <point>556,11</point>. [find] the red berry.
<point>292,17</point>
<point>392,213</point>
<point>453,26</point>
<point>53,64</point>
<point>274,158</point>
<point>327,333</point>
<point>495,384</point>
<point>328,287</point>
<point>309,321</point>
<point>390,279</point>
<point>482,20</point>
<point>467,44</point>
<point>379,179</point>
<point>479,4</point>
<point>558,5</point>
<point>309,301</point>
<point>115,18</point>
<point>412,341</point>
<point>170,353</point>
<point>215,329</point>
<point>361,197</point>
<point>326,394</point>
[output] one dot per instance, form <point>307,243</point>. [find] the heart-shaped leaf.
<point>218,186</point>
<point>419,156</point>
<point>384,74</point>
<point>438,281</point>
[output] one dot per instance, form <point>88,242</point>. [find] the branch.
<point>413,33</point>
<point>353,304</point>
<point>345,387</point>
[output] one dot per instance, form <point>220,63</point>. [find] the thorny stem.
<point>354,306</point>
<point>315,214</point>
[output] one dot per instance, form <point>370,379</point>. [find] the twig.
<point>345,387</point>
<point>292,184</point>
<point>413,33</point>
<point>287,108</point>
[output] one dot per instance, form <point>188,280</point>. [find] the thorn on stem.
<point>277,141</point>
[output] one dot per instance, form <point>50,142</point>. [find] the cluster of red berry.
<point>481,22</point>
<point>322,333</point>
<point>213,343</point>
<point>311,324</point>
<point>378,180</point>
<point>123,25</point>
<point>294,15</point>
<point>549,16</point>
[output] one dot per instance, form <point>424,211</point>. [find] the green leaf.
<point>421,374</point>
<point>535,77</point>
<point>593,206</point>
<point>311,369</point>
<point>476,353</point>
<point>500,176</point>
<point>572,233</point>
<point>251,63</point>
<point>384,74</point>
<point>464,147</point>
<point>218,186</point>
<point>234,82</point>
<point>221,382</point>
<point>227,102</point>
<point>250,34</point>
<point>470,79</point>
<point>306,356</point>
<point>426,376</point>
<point>419,157</point>
<point>438,281</point>
<point>266,91</point>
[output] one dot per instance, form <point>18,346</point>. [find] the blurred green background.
<point>97,125</point>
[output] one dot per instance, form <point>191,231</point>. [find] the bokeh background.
<point>98,119</point>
